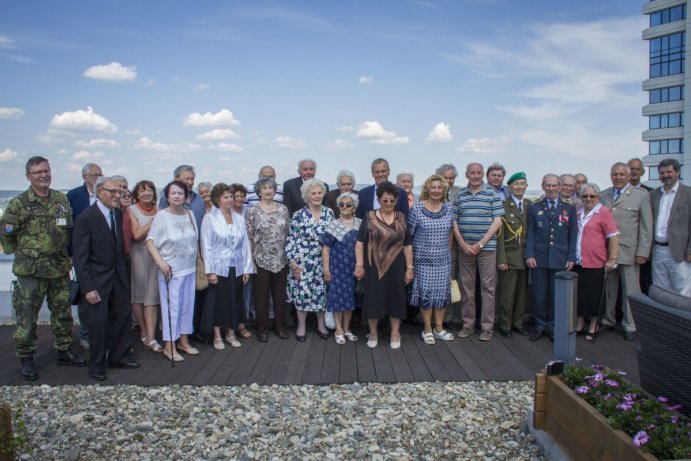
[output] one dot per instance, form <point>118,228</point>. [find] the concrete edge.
<point>551,450</point>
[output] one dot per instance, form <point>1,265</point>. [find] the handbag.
<point>329,320</point>
<point>455,291</point>
<point>75,293</point>
<point>201,281</point>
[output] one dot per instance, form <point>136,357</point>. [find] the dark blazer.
<point>79,200</point>
<point>679,230</point>
<point>551,238</point>
<point>292,198</point>
<point>366,199</point>
<point>331,198</point>
<point>97,259</point>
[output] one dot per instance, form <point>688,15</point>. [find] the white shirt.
<point>225,245</point>
<point>662,223</point>
<point>106,212</point>
<point>175,236</point>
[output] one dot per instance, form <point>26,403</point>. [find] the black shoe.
<point>263,338</point>
<point>125,365</point>
<point>323,335</point>
<point>521,331</point>
<point>505,333</point>
<point>550,336</point>
<point>301,338</point>
<point>630,335</point>
<point>537,335</point>
<point>71,359</point>
<point>28,369</point>
<point>604,328</point>
<point>98,376</point>
<point>282,334</point>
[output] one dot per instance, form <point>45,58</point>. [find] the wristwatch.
<point>480,245</point>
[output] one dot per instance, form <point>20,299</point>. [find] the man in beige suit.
<point>631,210</point>
<point>672,238</point>
<point>453,310</point>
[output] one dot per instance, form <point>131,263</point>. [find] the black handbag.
<point>75,293</point>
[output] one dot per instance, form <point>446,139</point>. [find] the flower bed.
<point>596,414</point>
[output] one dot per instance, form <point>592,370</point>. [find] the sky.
<point>140,87</point>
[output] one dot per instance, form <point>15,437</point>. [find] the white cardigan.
<point>225,246</point>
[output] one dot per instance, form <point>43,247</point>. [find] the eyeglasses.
<point>126,195</point>
<point>388,200</point>
<point>590,196</point>
<point>112,191</point>
<point>94,175</point>
<point>345,204</point>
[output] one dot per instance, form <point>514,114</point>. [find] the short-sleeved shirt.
<point>175,236</point>
<point>474,214</point>
<point>594,229</point>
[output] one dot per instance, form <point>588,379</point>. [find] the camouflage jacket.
<point>37,230</point>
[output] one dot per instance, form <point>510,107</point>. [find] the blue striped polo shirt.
<point>475,213</point>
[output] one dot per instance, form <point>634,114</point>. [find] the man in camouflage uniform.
<point>36,228</point>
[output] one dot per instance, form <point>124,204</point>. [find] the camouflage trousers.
<point>27,299</point>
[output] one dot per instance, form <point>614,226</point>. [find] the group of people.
<point>208,262</point>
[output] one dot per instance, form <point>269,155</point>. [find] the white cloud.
<point>7,155</point>
<point>366,80</point>
<point>440,133</point>
<point>202,87</point>
<point>226,147</point>
<point>84,155</point>
<point>96,143</point>
<point>133,131</point>
<point>346,128</point>
<point>146,143</point>
<point>218,134</point>
<point>376,134</point>
<point>114,72</point>
<point>288,142</point>
<point>151,82</point>
<point>7,43</point>
<point>11,113</point>
<point>338,144</point>
<point>484,145</point>
<point>82,120</point>
<point>224,117</point>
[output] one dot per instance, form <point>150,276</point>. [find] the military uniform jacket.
<point>37,230</point>
<point>511,238</point>
<point>551,237</point>
<point>634,217</point>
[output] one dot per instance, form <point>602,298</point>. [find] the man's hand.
<point>531,263</point>
<point>640,260</point>
<point>569,265</point>
<point>93,297</point>
<point>503,267</point>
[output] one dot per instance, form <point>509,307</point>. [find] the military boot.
<point>28,369</point>
<point>71,359</point>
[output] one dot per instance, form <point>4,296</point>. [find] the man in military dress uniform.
<point>513,278</point>
<point>36,228</point>
<point>550,248</point>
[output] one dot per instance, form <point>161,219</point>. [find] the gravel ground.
<point>426,421</point>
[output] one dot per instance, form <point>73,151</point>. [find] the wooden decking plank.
<point>296,367</point>
<point>264,361</point>
<point>281,361</point>
<point>330,372</point>
<point>315,361</point>
<point>453,368</point>
<point>435,366</point>
<point>347,373</point>
<point>365,363</point>
<point>401,362</point>
<point>471,359</point>
<point>247,361</point>
<point>382,362</point>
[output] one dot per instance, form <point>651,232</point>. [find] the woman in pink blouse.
<point>596,253</point>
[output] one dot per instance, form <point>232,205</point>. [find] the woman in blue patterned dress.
<point>430,223</point>
<point>338,255</point>
<point>306,287</point>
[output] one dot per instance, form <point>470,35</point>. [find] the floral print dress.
<point>305,248</point>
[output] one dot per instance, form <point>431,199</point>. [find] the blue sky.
<point>143,86</point>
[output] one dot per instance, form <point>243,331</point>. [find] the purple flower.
<point>630,397</point>
<point>621,373</point>
<point>674,419</point>
<point>582,390</point>
<point>626,406</point>
<point>639,418</point>
<point>674,407</point>
<point>598,376</point>
<point>607,396</point>
<point>662,399</point>
<point>597,367</point>
<point>611,383</point>
<point>640,439</point>
<point>579,360</point>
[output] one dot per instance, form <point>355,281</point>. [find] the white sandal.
<point>350,336</point>
<point>340,339</point>
<point>428,338</point>
<point>443,335</point>
<point>154,346</point>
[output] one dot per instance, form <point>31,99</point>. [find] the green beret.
<point>516,176</point>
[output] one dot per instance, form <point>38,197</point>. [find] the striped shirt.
<point>475,213</point>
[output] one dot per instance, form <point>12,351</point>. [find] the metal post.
<point>565,316</point>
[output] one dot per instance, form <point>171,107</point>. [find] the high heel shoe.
<point>323,335</point>
<point>301,338</point>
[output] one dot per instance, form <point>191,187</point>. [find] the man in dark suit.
<point>292,197</point>
<point>550,248</point>
<point>81,198</point>
<point>99,260</point>
<point>672,235</point>
<point>368,197</point>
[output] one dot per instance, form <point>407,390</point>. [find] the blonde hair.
<point>424,194</point>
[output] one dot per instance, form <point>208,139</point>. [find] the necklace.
<point>143,208</point>
<point>344,221</point>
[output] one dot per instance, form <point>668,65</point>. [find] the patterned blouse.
<point>268,232</point>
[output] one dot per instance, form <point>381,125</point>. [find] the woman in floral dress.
<point>306,287</point>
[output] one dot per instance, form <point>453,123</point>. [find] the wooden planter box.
<point>578,428</point>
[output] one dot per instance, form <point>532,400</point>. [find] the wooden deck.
<point>318,361</point>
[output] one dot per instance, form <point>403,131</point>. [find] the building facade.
<point>665,85</point>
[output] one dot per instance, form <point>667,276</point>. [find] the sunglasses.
<point>590,196</point>
<point>345,204</point>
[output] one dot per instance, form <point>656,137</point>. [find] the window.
<point>666,146</point>
<point>673,93</point>
<point>667,55</point>
<point>653,174</point>
<point>666,120</point>
<point>668,15</point>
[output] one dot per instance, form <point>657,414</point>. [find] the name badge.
<point>539,224</point>
<point>540,213</point>
<point>61,221</point>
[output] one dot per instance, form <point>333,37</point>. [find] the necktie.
<point>617,194</point>
<point>551,205</point>
<point>520,206</point>
<point>112,225</point>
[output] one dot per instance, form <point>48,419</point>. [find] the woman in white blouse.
<point>228,261</point>
<point>172,242</point>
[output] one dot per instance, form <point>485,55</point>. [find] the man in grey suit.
<point>631,210</point>
<point>453,311</point>
<point>672,238</point>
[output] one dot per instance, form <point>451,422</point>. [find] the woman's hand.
<point>165,269</point>
<point>409,275</point>
<point>213,278</point>
<point>245,278</point>
<point>296,270</point>
<point>327,275</point>
<point>359,272</point>
<point>610,266</point>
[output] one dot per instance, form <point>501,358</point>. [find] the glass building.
<point>665,85</point>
